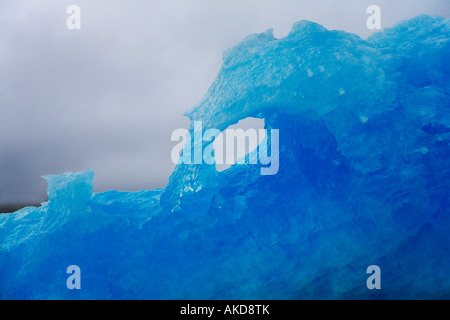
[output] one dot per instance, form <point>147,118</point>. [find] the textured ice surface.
<point>364,179</point>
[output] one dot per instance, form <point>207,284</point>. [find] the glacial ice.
<point>364,179</point>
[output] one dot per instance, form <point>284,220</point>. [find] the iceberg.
<point>364,179</point>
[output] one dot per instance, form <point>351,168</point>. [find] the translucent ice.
<point>364,180</point>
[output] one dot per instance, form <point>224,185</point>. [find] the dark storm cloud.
<point>108,96</point>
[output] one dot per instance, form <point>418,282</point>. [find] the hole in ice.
<point>237,141</point>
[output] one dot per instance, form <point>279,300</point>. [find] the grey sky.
<point>108,96</point>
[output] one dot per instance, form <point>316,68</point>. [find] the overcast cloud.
<point>108,96</point>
